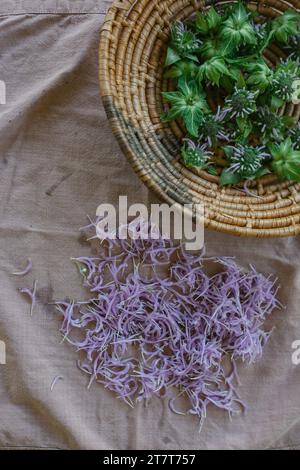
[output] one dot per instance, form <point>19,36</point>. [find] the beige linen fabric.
<point>58,162</point>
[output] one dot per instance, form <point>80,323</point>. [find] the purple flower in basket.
<point>212,129</point>
<point>241,103</point>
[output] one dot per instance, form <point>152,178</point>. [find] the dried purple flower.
<point>293,48</point>
<point>283,82</point>
<point>31,293</point>
<point>55,380</point>
<point>270,125</point>
<point>260,30</point>
<point>241,103</point>
<point>145,330</point>
<point>26,270</point>
<point>184,40</point>
<point>246,160</point>
<point>212,129</point>
<point>195,155</point>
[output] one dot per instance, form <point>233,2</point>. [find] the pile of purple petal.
<point>158,324</point>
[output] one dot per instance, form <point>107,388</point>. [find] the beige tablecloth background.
<point>58,162</point>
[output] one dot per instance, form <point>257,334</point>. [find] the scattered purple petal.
<point>247,191</point>
<point>55,380</point>
<point>32,295</point>
<point>26,270</point>
<point>157,320</point>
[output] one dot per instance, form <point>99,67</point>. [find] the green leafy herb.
<point>213,47</point>
<point>208,22</point>
<point>212,70</point>
<point>183,68</point>
<point>294,135</point>
<point>245,160</point>
<point>229,177</point>
<point>212,128</point>
<point>212,171</point>
<point>213,19</point>
<point>241,103</point>
<point>286,160</point>
<point>286,25</point>
<point>172,57</point>
<point>188,103</point>
<point>264,35</point>
<point>271,126</point>
<point>184,42</point>
<point>293,48</point>
<point>195,155</point>
<point>283,81</point>
<point>237,30</point>
<point>260,75</point>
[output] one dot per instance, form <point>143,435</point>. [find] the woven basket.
<point>133,45</point>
